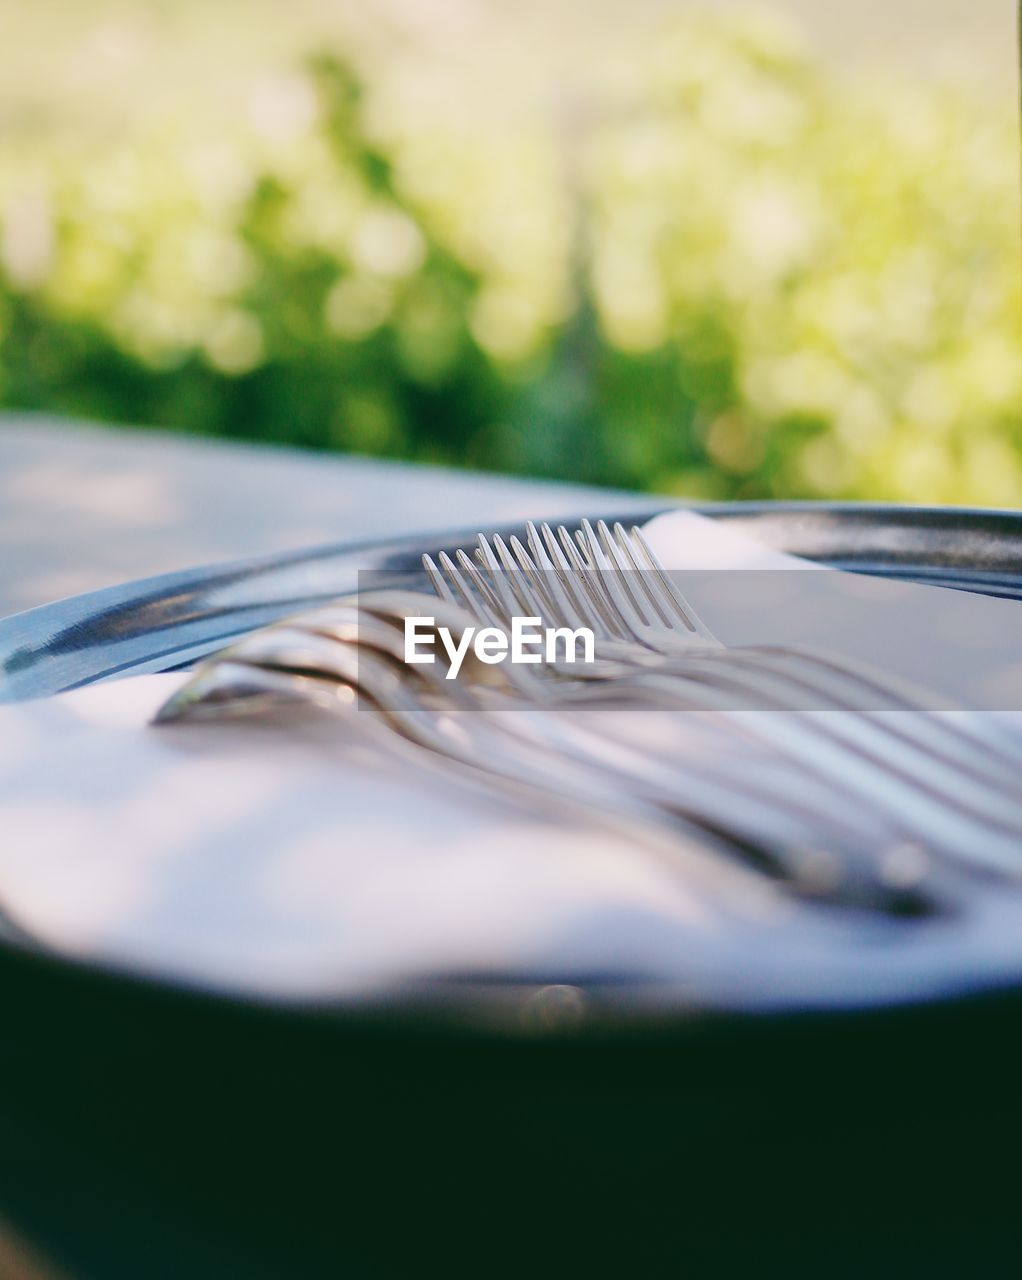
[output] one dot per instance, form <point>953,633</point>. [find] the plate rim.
<point>55,636</point>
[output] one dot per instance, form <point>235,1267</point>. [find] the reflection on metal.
<point>167,622</point>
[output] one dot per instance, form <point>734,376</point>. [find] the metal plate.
<point>359,1141</point>
<point>164,623</point>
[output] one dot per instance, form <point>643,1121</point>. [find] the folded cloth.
<point>687,540</point>
<point>965,648</point>
<point>303,857</point>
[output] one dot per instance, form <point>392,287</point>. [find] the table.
<point>84,507</point>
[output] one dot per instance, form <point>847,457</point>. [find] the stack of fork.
<point>750,761</point>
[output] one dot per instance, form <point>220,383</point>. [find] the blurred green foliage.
<point>736,275</point>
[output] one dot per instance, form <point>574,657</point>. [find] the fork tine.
<point>589,577</point>
<point>521,574</point>
<point>454,576</point>
<point>641,575</point>
<point>540,582</point>
<point>479,581</point>
<point>559,565</point>
<point>637,627</point>
<point>505,584</point>
<point>671,593</point>
<point>477,600</point>
<point>546,552</point>
<point>630,581</point>
<point>488,605</point>
<point>556,580</point>
<point>575,581</point>
<point>581,541</point>
<point>546,575</point>
<point>438,580</point>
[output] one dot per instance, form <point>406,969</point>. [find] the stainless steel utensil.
<point>946,783</point>
<point>697,799</point>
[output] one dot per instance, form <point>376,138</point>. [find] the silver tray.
<point>167,622</point>
<point>347,1141</point>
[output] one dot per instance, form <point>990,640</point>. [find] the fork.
<point>642,618</point>
<point>754,819</point>
<point>807,668</point>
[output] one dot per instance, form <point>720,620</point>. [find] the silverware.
<point>945,784</point>
<point>851,807</point>
<point>698,803</point>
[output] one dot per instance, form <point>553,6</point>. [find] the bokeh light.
<point>720,268</point>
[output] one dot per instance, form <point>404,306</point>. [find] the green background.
<point>712,261</point>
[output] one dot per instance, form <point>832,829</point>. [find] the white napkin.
<point>687,540</point>
<point>966,648</point>
<point>298,857</point>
